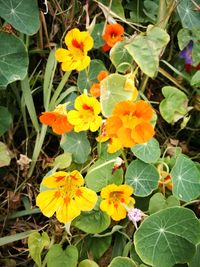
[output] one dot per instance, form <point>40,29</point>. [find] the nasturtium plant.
<point>101,174</point>
<point>143,177</point>
<point>78,145</point>
<point>23,15</point>
<point>13,59</point>
<point>148,152</point>
<point>120,57</point>
<point>97,35</point>
<point>170,237</point>
<point>5,156</point>
<point>5,120</point>
<point>112,92</point>
<point>56,256</point>
<point>175,104</point>
<point>122,262</point>
<point>88,263</point>
<point>188,15</point>
<point>146,49</point>
<point>185,178</point>
<point>87,77</point>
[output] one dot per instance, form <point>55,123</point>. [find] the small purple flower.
<point>186,53</point>
<point>135,215</point>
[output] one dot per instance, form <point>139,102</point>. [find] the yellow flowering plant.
<point>114,189</point>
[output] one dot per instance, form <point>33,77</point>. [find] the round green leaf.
<point>5,156</point>
<point>185,179</point>
<point>168,237</point>
<point>57,257</point>
<point>100,175</point>
<point>159,202</point>
<point>88,263</point>
<point>148,152</point>
<point>13,59</point>
<point>63,161</point>
<point>184,36</point>
<point>188,15</point>
<point>22,14</point>
<point>92,222</point>
<point>142,177</point>
<point>97,35</point>
<point>145,50</point>
<point>87,77</point>
<point>78,145</point>
<point>120,57</point>
<point>122,262</point>
<point>5,120</point>
<point>174,104</point>
<point>112,92</point>
<point>196,79</point>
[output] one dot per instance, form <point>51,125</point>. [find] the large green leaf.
<point>120,57</point>
<point>97,35</point>
<point>87,77</point>
<point>148,152</point>
<point>196,259</point>
<point>5,156</point>
<point>168,237</point>
<point>196,79</point>
<point>92,222</point>
<point>36,244</point>
<point>63,161</point>
<point>78,145</point>
<point>13,59</point>
<point>143,177</point>
<point>112,92</point>
<point>174,105</point>
<point>94,246</point>
<point>122,262</point>
<point>146,49</point>
<point>100,174</point>
<point>22,14</point>
<point>159,202</point>
<point>116,7</point>
<point>185,179</point>
<point>5,120</point>
<point>57,257</point>
<point>189,16</point>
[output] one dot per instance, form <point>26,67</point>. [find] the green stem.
<point>144,83</point>
<point>38,146</point>
<point>161,13</point>
<point>59,90</point>
<point>27,94</point>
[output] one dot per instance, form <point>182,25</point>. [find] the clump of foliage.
<point>99,127</point>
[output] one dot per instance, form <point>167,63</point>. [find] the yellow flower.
<point>78,43</point>
<point>115,198</point>
<point>66,196</point>
<point>85,117</point>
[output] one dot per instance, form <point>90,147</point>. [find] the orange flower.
<point>113,34</point>
<point>102,75</point>
<point>57,119</point>
<point>95,89</point>
<point>130,123</point>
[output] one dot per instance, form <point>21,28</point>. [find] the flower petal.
<point>142,133</point>
<point>67,211</point>
<point>85,198</point>
<point>48,201</point>
<point>62,55</point>
<point>55,180</point>
<point>47,118</point>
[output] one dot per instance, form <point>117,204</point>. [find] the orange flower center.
<point>78,45</point>
<point>116,196</point>
<point>86,107</point>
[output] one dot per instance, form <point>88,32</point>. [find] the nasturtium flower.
<point>102,75</point>
<point>130,123</point>
<point>115,199</point>
<point>66,196</point>
<point>57,119</point>
<point>85,117</point>
<point>75,58</point>
<point>95,90</point>
<point>165,178</point>
<point>130,85</point>
<point>113,34</point>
